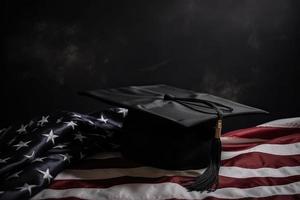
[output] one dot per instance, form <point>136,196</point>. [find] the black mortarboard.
<point>173,128</point>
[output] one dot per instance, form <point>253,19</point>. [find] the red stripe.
<point>258,160</point>
<point>263,132</point>
<point>256,181</point>
<point>239,147</point>
<point>224,182</point>
<point>288,139</point>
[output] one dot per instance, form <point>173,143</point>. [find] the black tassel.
<point>209,180</point>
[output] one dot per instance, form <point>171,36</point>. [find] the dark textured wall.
<point>245,50</point>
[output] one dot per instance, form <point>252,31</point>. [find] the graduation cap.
<point>173,128</point>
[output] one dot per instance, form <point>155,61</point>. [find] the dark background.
<point>245,50</point>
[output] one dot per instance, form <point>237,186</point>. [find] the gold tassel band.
<point>218,128</point>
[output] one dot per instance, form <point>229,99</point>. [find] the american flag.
<point>33,153</point>
<point>262,162</point>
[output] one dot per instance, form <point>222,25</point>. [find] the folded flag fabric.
<point>32,154</point>
<point>53,157</point>
<point>261,162</point>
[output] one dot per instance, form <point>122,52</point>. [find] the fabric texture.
<point>39,160</point>
<point>257,163</point>
<point>32,154</point>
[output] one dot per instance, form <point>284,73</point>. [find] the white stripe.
<point>167,191</point>
<point>238,140</point>
<point>149,172</point>
<point>274,149</point>
<point>283,123</point>
<point>239,172</point>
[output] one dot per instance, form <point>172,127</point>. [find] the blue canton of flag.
<point>32,154</point>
